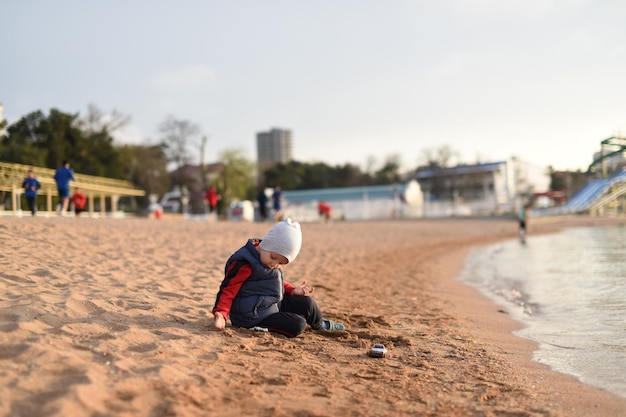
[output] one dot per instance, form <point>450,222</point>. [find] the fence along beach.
<point>112,317</point>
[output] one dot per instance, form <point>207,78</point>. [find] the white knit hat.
<point>285,239</point>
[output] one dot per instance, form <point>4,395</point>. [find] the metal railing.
<point>12,176</point>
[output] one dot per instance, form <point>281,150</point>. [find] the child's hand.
<point>219,322</point>
<point>302,289</point>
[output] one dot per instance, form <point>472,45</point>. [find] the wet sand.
<point>105,317</point>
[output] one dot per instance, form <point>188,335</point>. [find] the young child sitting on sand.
<point>253,292</point>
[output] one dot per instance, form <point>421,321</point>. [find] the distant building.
<point>273,147</point>
<point>481,189</point>
<point>486,189</point>
<point>389,201</point>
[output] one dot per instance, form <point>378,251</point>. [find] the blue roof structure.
<point>459,170</point>
<point>344,193</point>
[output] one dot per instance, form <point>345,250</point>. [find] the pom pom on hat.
<point>284,238</point>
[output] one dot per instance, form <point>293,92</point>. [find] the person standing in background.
<point>63,175</point>
<point>277,199</point>
<point>262,199</point>
<point>325,211</point>
<point>212,197</point>
<point>31,187</point>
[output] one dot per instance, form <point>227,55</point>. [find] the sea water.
<point>569,290</point>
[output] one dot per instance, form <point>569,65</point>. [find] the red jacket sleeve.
<point>236,274</point>
<point>288,288</point>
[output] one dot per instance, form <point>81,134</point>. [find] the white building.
<point>481,189</point>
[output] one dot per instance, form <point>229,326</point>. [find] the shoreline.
<point>112,317</point>
<point>483,316</point>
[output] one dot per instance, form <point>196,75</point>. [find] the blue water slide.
<point>592,192</point>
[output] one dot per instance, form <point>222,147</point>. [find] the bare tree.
<point>177,137</point>
<point>97,121</point>
<point>203,142</point>
<point>370,163</point>
<point>439,157</point>
<point>395,160</point>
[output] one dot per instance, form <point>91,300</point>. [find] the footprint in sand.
<point>16,279</point>
<point>143,347</point>
<point>13,351</point>
<point>78,308</point>
<point>8,322</point>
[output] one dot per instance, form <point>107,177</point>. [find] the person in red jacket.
<point>212,197</point>
<point>79,200</point>
<point>325,211</point>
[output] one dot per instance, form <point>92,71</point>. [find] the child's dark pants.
<point>295,313</point>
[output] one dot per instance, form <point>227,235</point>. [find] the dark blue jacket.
<point>63,176</point>
<point>260,293</point>
<point>28,184</point>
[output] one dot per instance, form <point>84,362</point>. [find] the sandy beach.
<point>112,317</point>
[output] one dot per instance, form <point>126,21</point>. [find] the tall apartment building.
<point>273,147</point>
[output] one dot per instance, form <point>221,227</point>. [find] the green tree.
<point>20,143</point>
<point>349,175</point>
<point>288,175</point>
<point>146,167</point>
<point>296,175</point>
<point>317,175</point>
<point>390,172</point>
<point>63,140</point>
<point>236,181</point>
<point>40,140</point>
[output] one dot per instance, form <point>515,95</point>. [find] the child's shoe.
<point>332,326</point>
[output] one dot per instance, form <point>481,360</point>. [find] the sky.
<point>355,80</point>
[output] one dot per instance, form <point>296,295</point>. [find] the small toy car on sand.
<point>377,351</point>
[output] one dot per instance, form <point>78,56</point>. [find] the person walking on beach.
<point>277,200</point>
<point>522,217</point>
<point>79,200</point>
<point>63,175</point>
<point>254,293</point>
<point>31,187</point>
